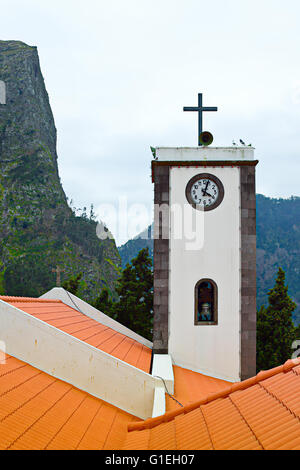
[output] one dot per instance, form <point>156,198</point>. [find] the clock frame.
<point>197,178</point>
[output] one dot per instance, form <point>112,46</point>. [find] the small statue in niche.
<point>205,314</point>
<point>205,302</point>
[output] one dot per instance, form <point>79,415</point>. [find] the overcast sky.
<point>118,73</point>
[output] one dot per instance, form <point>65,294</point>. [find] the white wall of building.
<point>69,359</point>
<point>162,368</point>
<point>213,350</point>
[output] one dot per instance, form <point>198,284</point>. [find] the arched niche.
<point>206,302</point>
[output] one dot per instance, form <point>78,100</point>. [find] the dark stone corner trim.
<point>161,264</point>
<point>248,271</point>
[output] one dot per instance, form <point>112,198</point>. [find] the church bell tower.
<point>205,256</point>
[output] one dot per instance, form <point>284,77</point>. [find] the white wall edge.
<point>207,373</point>
<point>69,359</point>
<point>159,402</point>
<point>204,153</point>
<point>58,293</point>
<point>162,367</point>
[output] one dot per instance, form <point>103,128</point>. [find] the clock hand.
<point>204,190</point>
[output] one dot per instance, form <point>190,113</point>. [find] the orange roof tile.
<point>259,413</point>
<point>9,298</point>
<point>69,320</point>
<point>191,386</point>
<point>38,412</point>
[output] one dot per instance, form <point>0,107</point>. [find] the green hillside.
<point>278,245</point>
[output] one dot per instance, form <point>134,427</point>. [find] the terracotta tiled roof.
<point>260,413</point>
<point>191,386</point>
<point>69,320</point>
<point>38,411</point>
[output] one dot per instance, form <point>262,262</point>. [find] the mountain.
<point>38,229</point>
<point>131,248</point>
<point>278,244</point>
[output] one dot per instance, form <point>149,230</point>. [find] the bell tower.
<point>205,257</point>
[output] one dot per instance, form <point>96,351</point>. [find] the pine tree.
<point>275,328</point>
<point>72,284</point>
<point>104,303</point>
<point>135,289</point>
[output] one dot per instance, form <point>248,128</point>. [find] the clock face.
<point>205,192</point>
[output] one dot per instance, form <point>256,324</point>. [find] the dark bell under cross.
<point>200,108</point>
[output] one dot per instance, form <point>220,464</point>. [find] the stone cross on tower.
<point>2,92</point>
<point>58,272</point>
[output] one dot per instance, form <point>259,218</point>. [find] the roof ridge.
<point>238,386</point>
<point>7,298</point>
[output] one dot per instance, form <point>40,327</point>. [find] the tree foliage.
<point>72,284</point>
<point>275,328</point>
<point>104,303</point>
<point>134,308</point>
<point>28,275</point>
<point>278,244</point>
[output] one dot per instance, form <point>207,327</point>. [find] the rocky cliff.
<point>38,230</point>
